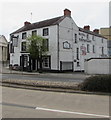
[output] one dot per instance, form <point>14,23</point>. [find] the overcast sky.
<point>14,13</point>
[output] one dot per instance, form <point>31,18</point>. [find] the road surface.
<point>44,77</point>
<point>22,103</point>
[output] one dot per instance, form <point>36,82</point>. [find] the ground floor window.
<point>24,61</point>
<point>46,62</point>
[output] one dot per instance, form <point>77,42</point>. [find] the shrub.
<point>97,83</point>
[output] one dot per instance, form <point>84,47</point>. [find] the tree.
<point>37,46</point>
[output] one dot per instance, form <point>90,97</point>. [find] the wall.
<point>67,30</point>
<point>15,57</point>
<point>3,48</point>
<point>98,66</point>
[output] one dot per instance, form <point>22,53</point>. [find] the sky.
<point>14,13</point>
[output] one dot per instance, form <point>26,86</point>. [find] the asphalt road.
<point>22,103</point>
<point>44,77</point>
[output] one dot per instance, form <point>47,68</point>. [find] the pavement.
<point>76,75</point>
<point>55,86</point>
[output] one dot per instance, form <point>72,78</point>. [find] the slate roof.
<point>49,22</point>
<point>90,32</point>
<point>40,24</point>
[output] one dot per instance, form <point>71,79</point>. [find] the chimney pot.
<point>87,27</point>
<point>67,12</point>
<point>26,23</point>
<point>96,31</point>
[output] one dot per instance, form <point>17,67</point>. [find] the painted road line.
<point>62,111</point>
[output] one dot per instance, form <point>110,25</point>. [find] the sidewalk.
<point>75,75</point>
<point>58,86</point>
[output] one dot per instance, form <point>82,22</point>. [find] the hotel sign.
<point>84,40</point>
<point>66,45</point>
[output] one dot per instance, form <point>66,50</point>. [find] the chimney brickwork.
<point>96,31</point>
<point>87,27</point>
<point>26,23</point>
<point>67,13</point>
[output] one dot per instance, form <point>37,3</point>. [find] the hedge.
<point>97,83</point>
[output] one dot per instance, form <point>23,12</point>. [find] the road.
<point>44,77</point>
<point>22,103</point>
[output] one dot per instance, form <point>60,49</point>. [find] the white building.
<point>3,48</point>
<point>69,45</point>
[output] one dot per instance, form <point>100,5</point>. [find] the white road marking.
<point>62,111</point>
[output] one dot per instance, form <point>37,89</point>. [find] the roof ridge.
<point>40,24</point>
<point>91,32</point>
<point>47,19</point>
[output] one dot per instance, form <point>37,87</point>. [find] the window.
<point>77,53</point>
<point>46,62</point>
<point>102,50</point>
<point>24,35</point>
<point>87,48</point>
<point>45,31</point>
<point>23,46</point>
<point>15,41</point>
<point>92,37</point>
<point>75,38</point>
<point>87,36</point>
<point>34,32</point>
<point>25,61</point>
<point>11,47</point>
<point>102,40</point>
<point>93,49</point>
<point>46,44</point>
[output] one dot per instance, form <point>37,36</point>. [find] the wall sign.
<point>66,45</point>
<point>83,49</point>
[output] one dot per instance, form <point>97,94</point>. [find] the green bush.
<point>97,83</point>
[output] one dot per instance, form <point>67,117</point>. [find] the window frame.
<point>46,44</point>
<point>77,53</point>
<point>102,50</point>
<point>88,48</point>
<point>45,31</point>
<point>93,48</point>
<point>24,35</point>
<point>75,36</point>
<point>46,64</point>
<point>22,46</point>
<point>34,32</point>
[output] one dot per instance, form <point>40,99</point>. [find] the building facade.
<point>106,32</point>
<point>68,45</point>
<point>3,48</point>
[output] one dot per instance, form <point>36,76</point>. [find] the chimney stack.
<point>26,23</point>
<point>67,13</point>
<point>87,27</point>
<point>96,31</point>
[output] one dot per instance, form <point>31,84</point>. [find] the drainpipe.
<point>58,46</point>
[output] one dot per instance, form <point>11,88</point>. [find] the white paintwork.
<point>70,112</point>
<point>3,48</point>
<point>58,34</point>
<point>98,66</point>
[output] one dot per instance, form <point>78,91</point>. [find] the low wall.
<point>98,66</point>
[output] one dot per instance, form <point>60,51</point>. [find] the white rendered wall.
<point>98,66</point>
<point>67,29</point>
